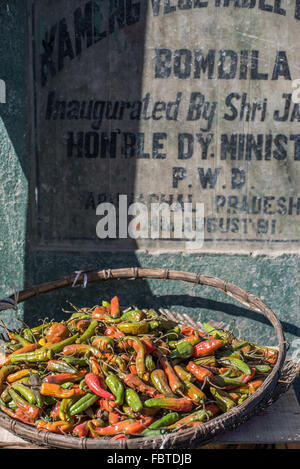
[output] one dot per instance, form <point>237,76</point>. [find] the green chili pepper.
<point>116,387</point>
<point>40,355</point>
<point>239,345</point>
<point>206,361</point>
<point>11,405</point>
<point>229,353</point>
<point>184,375</point>
<point>153,325</point>
<point>82,404</point>
<point>164,421</point>
<point>160,381</point>
<point>28,335</point>
<point>67,385</point>
<point>61,367</point>
<point>75,361</point>
<point>5,396</point>
<point>194,340</point>
<point>26,392</point>
<point>56,348</point>
<point>133,315</point>
<point>197,416</point>
<point>236,363</point>
<point>242,398</point>
<point>223,401</point>
<point>216,333</point>
<point>262,368</point>
<point>153,433</point>
<point>133,400</point>
<point>222,380</point>
<point>183,350</point>
<point>21,339</point>
<point>88,332</point>
<point>28,408</point>
<point>172,334</point>
<point>149,363</point>
<point>131,328</point>
<point>106,304</point>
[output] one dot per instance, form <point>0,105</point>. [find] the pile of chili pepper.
<point>121,373</point>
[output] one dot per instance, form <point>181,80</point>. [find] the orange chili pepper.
<point>176,385</point>
<point>49,389</point>
<point>115,307</point>
<point>17,375</point>
<point>113,418</point>
<point>56,427</point>
<point>190,331</point>
<point>107,405</point>
<point>199,372</point>
<point>253,385</point>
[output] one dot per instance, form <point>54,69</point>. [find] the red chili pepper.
<point>132,369</point>
<point>18,415</point>
<point>253,385</point>
<point>81,430</point>
<point>207,347</point>
<point>111,429</point>
<point>114,332</point>
<point>140,425</point>
<point>199,372</point>
<point>93,382</point>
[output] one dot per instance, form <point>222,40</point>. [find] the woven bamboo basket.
<point>279,380</point>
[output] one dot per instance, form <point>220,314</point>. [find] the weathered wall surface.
<point>274,278</point>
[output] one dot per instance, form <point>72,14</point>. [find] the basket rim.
<point>195,435</point>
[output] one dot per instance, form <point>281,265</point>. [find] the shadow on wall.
<point>42,264</point>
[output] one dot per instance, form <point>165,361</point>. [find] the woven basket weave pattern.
<point>275,384</point>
